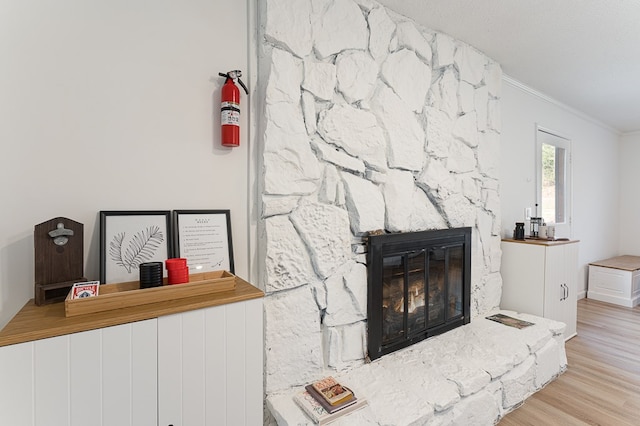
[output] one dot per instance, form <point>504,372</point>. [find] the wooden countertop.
<point>625,263</point>
<point>540,241</point>
<point>40,322</point>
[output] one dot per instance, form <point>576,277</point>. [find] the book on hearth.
<point>332,391</point>
<point>317,412</point>
<point>510,321</point>
<point>330,408</point>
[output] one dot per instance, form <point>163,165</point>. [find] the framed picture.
<point>203,237</point>
<point>129,238</point>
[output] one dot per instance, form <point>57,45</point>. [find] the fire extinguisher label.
<point>230,114</point>
<point>230,118</point>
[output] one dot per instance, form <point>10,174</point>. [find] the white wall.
<point>595,170</point>
<point>629,200</point>
<point>114,105</point>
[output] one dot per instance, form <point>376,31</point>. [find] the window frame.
<point>554,138</point>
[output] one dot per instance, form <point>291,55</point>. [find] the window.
<point>554,180</point>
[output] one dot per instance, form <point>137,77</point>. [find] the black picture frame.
<point>203,237</point>
<point>129,238</point>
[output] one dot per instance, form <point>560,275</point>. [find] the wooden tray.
<point>124,295</point>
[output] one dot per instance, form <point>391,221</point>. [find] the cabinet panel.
<point>523,267</point>
<point>129,388</point>
<point>144,373</point>
<point>207,382</point>
<point>561,281</point>
<point>609,281</point>
<point>85,378</point>
<point>216,373</point>
<point>254,364</point>
<point>571,308</point>
<point>16,385</point>
<point>51,381</point>
<point>193,379</point>
<point>554,283</point>
<point>116,368</point>
<point>236,328</point>
<point>635,285</point>
<point>613,285</point>
<point>80,379</point>
<point>170,370</point>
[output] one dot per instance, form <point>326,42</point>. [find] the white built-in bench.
<point>472,375</point>
<point>615,280</point>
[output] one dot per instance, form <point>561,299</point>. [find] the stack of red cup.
<point>177,270</point>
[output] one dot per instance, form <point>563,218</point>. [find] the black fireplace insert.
<point>419,286</point>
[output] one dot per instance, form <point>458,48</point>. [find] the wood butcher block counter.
<point>541,241</point>
<point>41,322</point>
<point>626,263</point>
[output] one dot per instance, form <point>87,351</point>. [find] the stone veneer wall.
<point>370,122</point>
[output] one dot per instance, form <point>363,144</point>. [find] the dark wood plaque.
<point>59,262</point>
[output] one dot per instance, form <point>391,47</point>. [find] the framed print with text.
<point>203,237</point>
<point>129,238</point>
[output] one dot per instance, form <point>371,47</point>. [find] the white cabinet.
<point>201,367</point>
<point>615,280</point>
<point>540,278</point>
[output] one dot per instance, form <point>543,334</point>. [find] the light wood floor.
<point>602,383</point>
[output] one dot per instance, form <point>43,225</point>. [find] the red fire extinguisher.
<point>230,108</point>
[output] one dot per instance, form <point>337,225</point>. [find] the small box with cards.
<point>85,289</point>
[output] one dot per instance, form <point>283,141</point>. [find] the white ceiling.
<point>584,54</point>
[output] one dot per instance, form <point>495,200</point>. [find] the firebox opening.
<point>419,286</point>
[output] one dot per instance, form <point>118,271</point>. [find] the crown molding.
<point>634,134</point>
<point>533,92</point>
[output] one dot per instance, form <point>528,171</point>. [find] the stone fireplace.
<point>419,286</point>
<point>369,122</point>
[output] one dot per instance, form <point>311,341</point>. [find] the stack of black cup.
<point>150,274</point>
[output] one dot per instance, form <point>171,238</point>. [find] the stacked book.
<point>326,400</point>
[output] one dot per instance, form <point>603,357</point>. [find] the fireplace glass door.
<point>403,291</point>
<point>416,288</point>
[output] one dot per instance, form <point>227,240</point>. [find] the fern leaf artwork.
<point>141,248</point>
<point>115,248</point>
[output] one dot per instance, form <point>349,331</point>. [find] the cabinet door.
<point>555,290</point>
<point>523,277</point>
<point>571,303</point>
<point>560,285</point>
<point>16,384</point>
<point>99,377</point>
<point>210,366</point>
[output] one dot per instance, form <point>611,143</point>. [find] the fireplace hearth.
<point>419,285</point>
